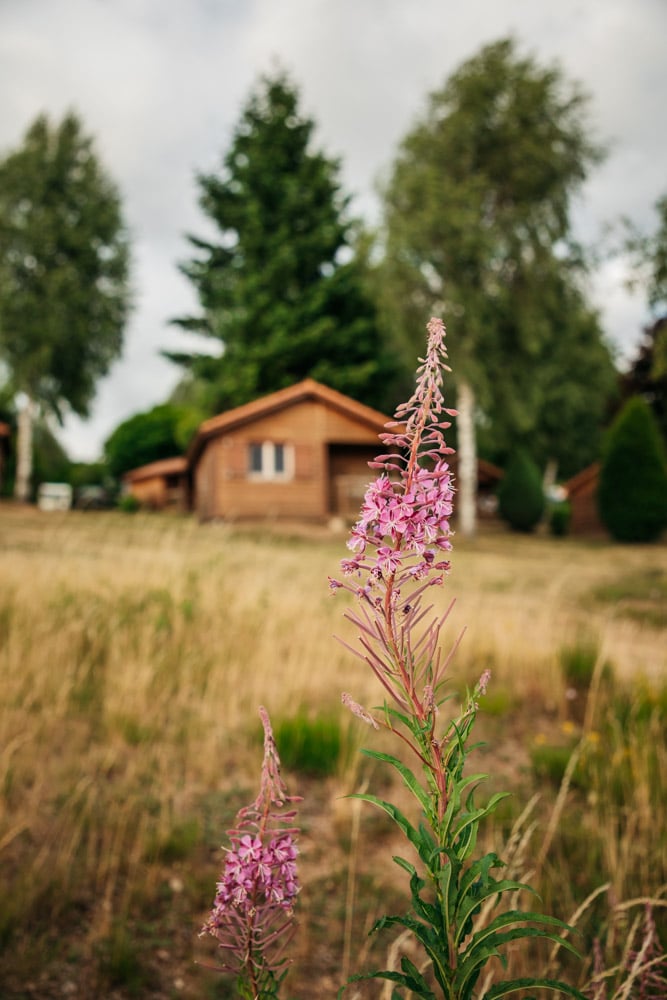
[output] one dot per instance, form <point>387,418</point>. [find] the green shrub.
<point>177,844</point>
<point>577,663</point>
<point>520,495</point>
<point>632,492</point>
<point>559,518</point>
<point>549,762</point>
<point>121,961</point>
<point>129,504</point>
<point>311,745</point>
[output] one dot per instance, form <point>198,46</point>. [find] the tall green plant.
<point>632,492</point>
<point>397,548</point>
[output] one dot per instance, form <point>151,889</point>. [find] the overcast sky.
<point>161,84</point>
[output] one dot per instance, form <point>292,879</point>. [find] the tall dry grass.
<point>134,651</point>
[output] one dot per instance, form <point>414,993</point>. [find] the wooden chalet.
<point>161,485</point>
<point>300,453</point>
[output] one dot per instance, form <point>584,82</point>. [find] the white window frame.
<point>268,472</point>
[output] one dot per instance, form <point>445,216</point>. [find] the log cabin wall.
<point>150,492</point>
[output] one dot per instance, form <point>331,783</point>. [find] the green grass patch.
<point>179,843</point>
<point>577,664</point>
<point>549,762</point>
<point>121,962</point>
<point>641,596</point>
<point>313,745</point>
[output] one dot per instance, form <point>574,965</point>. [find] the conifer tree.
<point>281,289</point>
<point>520,494</point>
<point>632,492</point>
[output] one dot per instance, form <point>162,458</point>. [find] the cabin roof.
<point>308,389</point>
<point>583,479</point>
<point>163,467</point>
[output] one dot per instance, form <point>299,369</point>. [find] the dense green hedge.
<point>520,494</point>
<point>632,492</point>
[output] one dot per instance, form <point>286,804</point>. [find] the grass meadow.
<point>134,651</point>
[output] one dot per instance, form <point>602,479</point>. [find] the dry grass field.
<point>134,651</point>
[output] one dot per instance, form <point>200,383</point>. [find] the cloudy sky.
<point>161,83</point>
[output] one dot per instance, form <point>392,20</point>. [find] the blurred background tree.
<point>647,374</point>
<point>477,230</point>
<point>161,432</point>
<point>282,290</point>
<point>64,277</point>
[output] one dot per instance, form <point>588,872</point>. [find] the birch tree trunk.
<point>467,451</point>
<point>24,450</point>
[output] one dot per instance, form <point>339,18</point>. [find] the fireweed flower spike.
<point>252,917</point>
<point>398,552</point>
<point>398,545</point>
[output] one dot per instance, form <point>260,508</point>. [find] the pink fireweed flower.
<point>402,530</point>
<point>252,917</point>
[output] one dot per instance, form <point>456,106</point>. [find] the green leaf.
<point>486,941</point>
<point>512,985</point>
<point>403,824</point>
<point>471,903</point>
<point>427,911</point>
<point>479,870</point>
<point>409,778</point>
<point>405,865</point>
<point>523,916</point>
<point>422,931</point>
<point>421,989</point>
<point>411,970</point>
<point>447,879</point>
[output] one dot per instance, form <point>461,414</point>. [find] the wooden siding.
<point>160,492</point>
<point>204,483</point>
<point>149,492</point>
<point>582,495</point>
<point>160,485</point>
<point>349,476</point>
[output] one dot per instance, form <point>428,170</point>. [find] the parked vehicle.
<point>54,496</point>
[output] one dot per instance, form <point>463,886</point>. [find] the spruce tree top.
<point>280,287</point>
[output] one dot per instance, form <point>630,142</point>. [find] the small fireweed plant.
<point>253,914</point>
<point>398,552</point>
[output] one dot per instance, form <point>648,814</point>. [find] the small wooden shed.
<point>300,453</point>
<point>582,496</point>
<point>161,485</point>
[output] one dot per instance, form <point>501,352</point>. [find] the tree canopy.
<point>160,432</point>
<point>64,266</point>
<point>281,289</point>
<point>477,224</point>
<point>647,374</point>
<point>650,255</point>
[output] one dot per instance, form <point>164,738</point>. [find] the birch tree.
<point>64,285</point>
<point>476,210</point>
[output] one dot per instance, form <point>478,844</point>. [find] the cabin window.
<point>270,460</point>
